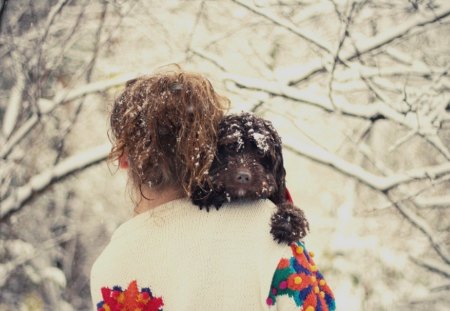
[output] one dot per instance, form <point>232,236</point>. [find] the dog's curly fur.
<point>249,166</point>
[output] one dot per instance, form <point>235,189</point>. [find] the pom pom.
<point>288,224</point>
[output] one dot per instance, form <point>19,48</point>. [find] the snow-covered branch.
<point>46,106</point>
<point>14,105</point>
<point>94,87</point>
<point>370,112</point>
<point>376,182</point>
<point>434,202</point>
<point>26,253</point>
<point>370,44</point>
<point>40,182</point>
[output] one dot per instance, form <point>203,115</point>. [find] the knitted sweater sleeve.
<point>298,285</point>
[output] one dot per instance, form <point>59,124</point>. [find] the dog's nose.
<point>243,177</point>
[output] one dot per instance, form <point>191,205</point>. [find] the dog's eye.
<point>267,162</point>
<point>233,147</point>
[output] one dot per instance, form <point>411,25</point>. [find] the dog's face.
<point>249,162</point>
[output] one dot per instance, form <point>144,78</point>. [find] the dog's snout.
<point>243,177</point>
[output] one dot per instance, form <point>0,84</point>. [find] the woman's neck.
<point>153,197</point>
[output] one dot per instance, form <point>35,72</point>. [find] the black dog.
<point>249,166</point>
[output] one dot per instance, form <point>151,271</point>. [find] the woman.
<point>171,255</point>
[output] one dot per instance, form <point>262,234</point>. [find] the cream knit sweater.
<point>195,260</point>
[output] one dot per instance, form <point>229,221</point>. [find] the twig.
<point>2,13</point>
<point>209,57</point>
<point>432,266</point>
<point>420,224</point>
<point>338,50</point>
<point>285,25</point>
<point>196,22</point>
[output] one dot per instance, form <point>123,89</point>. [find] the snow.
<point>237,136</point>
<point>261,141</point>
<point>55,275</point>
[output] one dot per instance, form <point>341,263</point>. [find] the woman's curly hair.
<point>166,124</point>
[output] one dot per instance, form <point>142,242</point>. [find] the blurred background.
<point>358,90</point>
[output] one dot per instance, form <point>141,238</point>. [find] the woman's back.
<point>194,260</point>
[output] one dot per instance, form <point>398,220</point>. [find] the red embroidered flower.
<point>131,299</point>
<point>296,282</point>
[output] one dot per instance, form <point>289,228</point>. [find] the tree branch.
<point>376,182</point>
<point>14,105</point>
<point>6,269</point>
<point>42,181</point>
<point>371,44</point>
<point>432,266</point>
<point>434,202</point>
<point>285,25</point>
<point>422,226</point>
<point>46,106</point>
<point>370,112</point>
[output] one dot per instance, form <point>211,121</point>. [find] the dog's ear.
<point>274,151</point>
<point>288,224</point>
<point>279,173</point>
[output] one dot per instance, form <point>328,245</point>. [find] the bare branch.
<point>56,9</point>
<point>369,45</point>
<point>433,266</point>
<point>291,28</point>
<point>2,13</point>
<point>338,50</point>
<point>210,58</point>
<point>196,22</point>
<point>42,181</point>
<point>418,222</point>
<point>443,287</point>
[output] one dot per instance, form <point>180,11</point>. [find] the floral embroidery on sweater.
<point>131,299</point>
<point>299,278</point>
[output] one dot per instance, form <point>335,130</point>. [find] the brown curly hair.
<point>166,124</point>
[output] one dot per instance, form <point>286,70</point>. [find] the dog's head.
<point>249,162</point>
<point>248,166</point>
